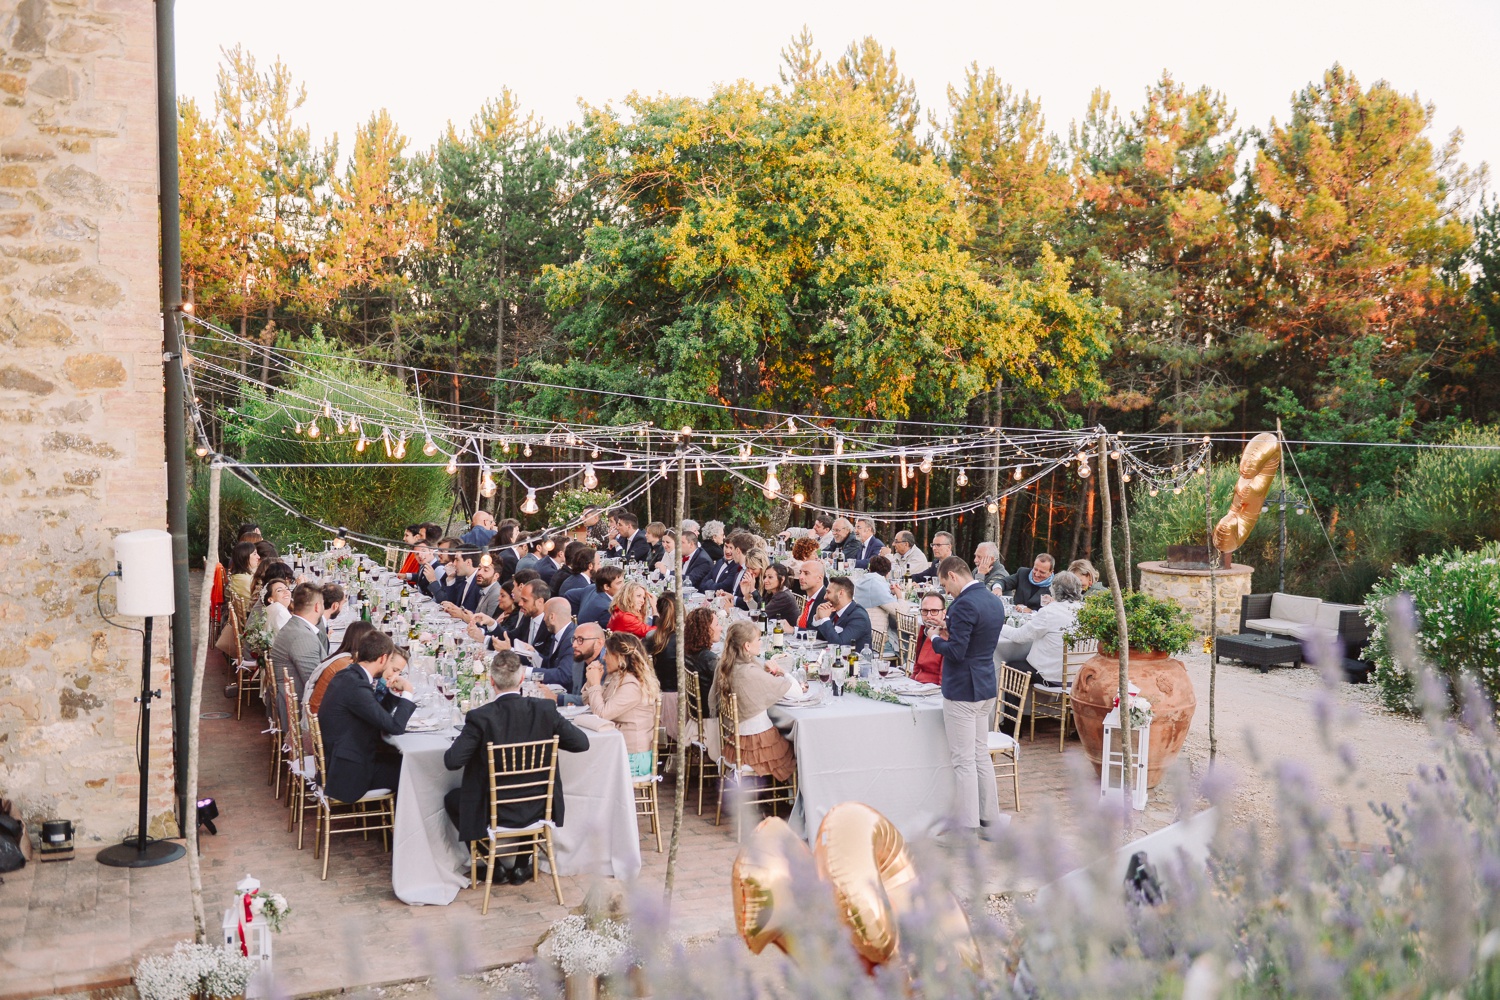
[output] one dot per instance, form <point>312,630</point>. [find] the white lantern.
<point>1112,778</point>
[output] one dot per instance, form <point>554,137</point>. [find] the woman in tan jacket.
<point>756,687</point>
<point>626,692</point>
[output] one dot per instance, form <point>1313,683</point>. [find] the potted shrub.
<point>1157,628</point>
<point>204,971</point>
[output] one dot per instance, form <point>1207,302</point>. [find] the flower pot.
<point>580,986</point>
<point>1162,680</point>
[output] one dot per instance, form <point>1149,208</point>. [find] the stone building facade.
<point>81,454</point>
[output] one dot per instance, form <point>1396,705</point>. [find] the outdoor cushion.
<point>1292,608</point>
<point>1280,626</point>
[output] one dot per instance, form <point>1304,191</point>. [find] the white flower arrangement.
<point>194,969</point>
<point>1140,712</point>
<point>577,948</point>
<point>272,907</point>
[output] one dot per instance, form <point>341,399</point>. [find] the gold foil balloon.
<point>766,907</point>
<point>864,857</point>
<point>1258,465</point>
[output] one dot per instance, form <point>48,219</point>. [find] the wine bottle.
<point>778,636</point>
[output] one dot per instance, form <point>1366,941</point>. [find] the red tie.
<point>806,613</point>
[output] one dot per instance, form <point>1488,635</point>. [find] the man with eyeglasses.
<point>942,548</point>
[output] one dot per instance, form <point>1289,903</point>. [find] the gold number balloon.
<point>766,907</point>
<point>1258,467</point>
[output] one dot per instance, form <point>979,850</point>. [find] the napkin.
<point>593,723</point>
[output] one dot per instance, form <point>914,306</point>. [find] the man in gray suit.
<point>299,647</point>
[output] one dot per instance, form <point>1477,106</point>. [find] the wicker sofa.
<point>1305,619</point>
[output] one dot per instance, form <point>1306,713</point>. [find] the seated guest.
<point>278,603</point>
<point>549,563</point>
<point>988,569</point>
<point>242,564</point>
<point>712,540</point>
<point>701,632</point>
<point>438,571</point>
<point>668,546</point>
<point>532,596</point>
<point>661,644</point>
<point>747,593</point>
<point>502,547</point>
<point>333,607</point>
<point>873,593</point>
<point>1088,576</point>
<point>844,539</point>
<point>811,577</point>
<point>564,569</point>
<point>299,646</point>
<point>354,718</point>
<point>627,541</point>
<point>1032,585</point>
<point>869,545</point>
<point>558,666</point>
<point>459,588</point>
<point>727,574</point>
<point>907,560</point>
<point>507,613</point>
<point>597,602</point>
<point>626,693</point>
<point>482,531</point>
<point>268,569</point>
<point>821,532</point>
<point>630,609</point>
<point>838,620</point>
<point>577,575</point>
<point>773,596</point>
<point>487,577</point>
<point>696,565</point>
<point>655,532</point>
<point>756,687</point>
<point>1046,630</point>
<point>532,549</point>
<point>928,667</point>
<point>942,548</point>
<point>411,536</point>
<point>266,550</point>
<point>803,549</point>
<point>247,532</point>
<point>317,684</point>
<point>510,718</point>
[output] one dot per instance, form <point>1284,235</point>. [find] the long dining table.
<point>599,835</point>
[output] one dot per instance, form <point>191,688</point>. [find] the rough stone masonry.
<point>81,452</point>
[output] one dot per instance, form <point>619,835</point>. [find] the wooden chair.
<point>375,810</point>
<point>766,790</point>
<point>530,771</point>
<point>273,720</point>
<point>906,638</point>
<point>698,735</point>
<point>302,777</point>
<point>645,788</point>
<point>1005,748</point>
<point>244,669</point>
<point>1055,701</point>
<point>392,554</point>
<point>877,643</point>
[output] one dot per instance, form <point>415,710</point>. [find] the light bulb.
<point>838,445</point>
<point>594,453</point>
<point>1084,471</point>
<point>926,465</point>
<point>327,408</point>
<point>662,468</point>
<point>527,451</point>
<point>773,485</point>
<point>629,463</point>
<point>297,428</point>
<point>698,467</point>
<point>340,426</point>
<point>313,429</point>
<point>401,449</point>
<point>963,477</point>
<point>429,448</point>
<point>791,424</point>
<point>1153,491</point>
<point>1176,490</point>
<point>799,498</point>
<point>991,506</point>
<point>487,483</point>
<point>864,473</point>
<point>361,444</point>
<point>202,450</point>
<point>1081,457</point>
<point>528,506</point>
<point>1125,477</point>
<point>744,451</point>
<point>1115,454</point>
<point>1199,472</point>
<point>486,560</point>
<point>822,468</point>
<point>768,494</point>
<point>1302,510</point>
<point>590,478</point>
<point>452,464</point>
<point>1017,474</point>
<point>687,430</point>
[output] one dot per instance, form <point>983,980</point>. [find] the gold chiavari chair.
<point>1005,748</point>
<point>374,812</point>
<point>763,789</point>
<point>302,766</point>
<point>519,773</point>
<point>1055,701</point>
<point>699,735</point>
<point>645,788</point>
<point>906,638</point>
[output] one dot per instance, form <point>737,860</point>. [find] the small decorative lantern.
<point>248,931</point>
<point>1113,784</point>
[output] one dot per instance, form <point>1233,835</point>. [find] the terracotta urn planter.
<point>1162,680</point>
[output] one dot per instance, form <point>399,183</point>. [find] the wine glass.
<point>825,671</point>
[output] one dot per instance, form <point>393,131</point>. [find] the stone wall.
<point>80,404</point>
<point>1190,587</point>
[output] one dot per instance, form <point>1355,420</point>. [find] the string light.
<point>773,484</point>
<point>662,469</point>
<point>1017,474</point>
<point>202,450</point>
<point>838,446</point>
<point>822,467</point>
<point>327,408</point>
<point>963,477</point>
<point>312,429</point>
<point>486,560</point>
<point>926,465</point>
<point>486,481</point>
<point>452,464</point>
<point>991,506</point>
<point>1084,471</point>
<point>594,453</point>
<point>903,470</point>
<point>687,430</point>
<point>528,506</point>
<point>864,473</point>
<point>401,447</point>
<point>297,428</point>
<point>590,478</point>
<point>429,448</point>
<point>361,444</point>
<point>798,498</point>
<point>527,451</point>
<point>698,467</point>
<point>340,425</point>
<point>1115,454</point>
<point>340,541</point>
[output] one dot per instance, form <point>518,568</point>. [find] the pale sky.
<point>438,60</point>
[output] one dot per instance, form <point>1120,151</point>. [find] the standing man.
<point>966,642</point>
<point>482,532</point>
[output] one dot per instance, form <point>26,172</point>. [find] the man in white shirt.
<point>906,558</point>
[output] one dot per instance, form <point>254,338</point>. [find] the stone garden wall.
<point>80,404</point>
<point>1190,587</point>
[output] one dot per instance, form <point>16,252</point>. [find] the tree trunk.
<point>1085,495</point>
<point>200,655</point>
<point>1124,632</point>
<point>992,521</point>
<point>679,796</point>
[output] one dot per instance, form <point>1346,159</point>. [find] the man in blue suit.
<point>463,589</point>
<point>970,630</point>
<point>838,620</point>
<point>696,565</point>
<point>869,545</point>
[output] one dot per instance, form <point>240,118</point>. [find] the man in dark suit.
<point>460,587</point>
<point>966,641</point>
<point>696,565</point>
<point>593,604</point>
<point>354,718</point>
<point>810,576</point>
<point>629,541</point>
<point>838,620</point>
<point>510,718</point>
<point>557,666</point>
<point>869,545</point>
<point>532,598</point>
<point>726,578</point>
<point>942,548</point>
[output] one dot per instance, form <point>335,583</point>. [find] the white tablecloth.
<point>892,758</point>
<point>599,835</point>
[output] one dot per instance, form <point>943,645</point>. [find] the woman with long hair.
<point>748,598</point>
<point>774,597</point>
<point>629,610</point>
<point>661,644</point>
<point>243,562</point>
<point>625,692</point>
<point>756,687</point>
<point>700,631</point>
